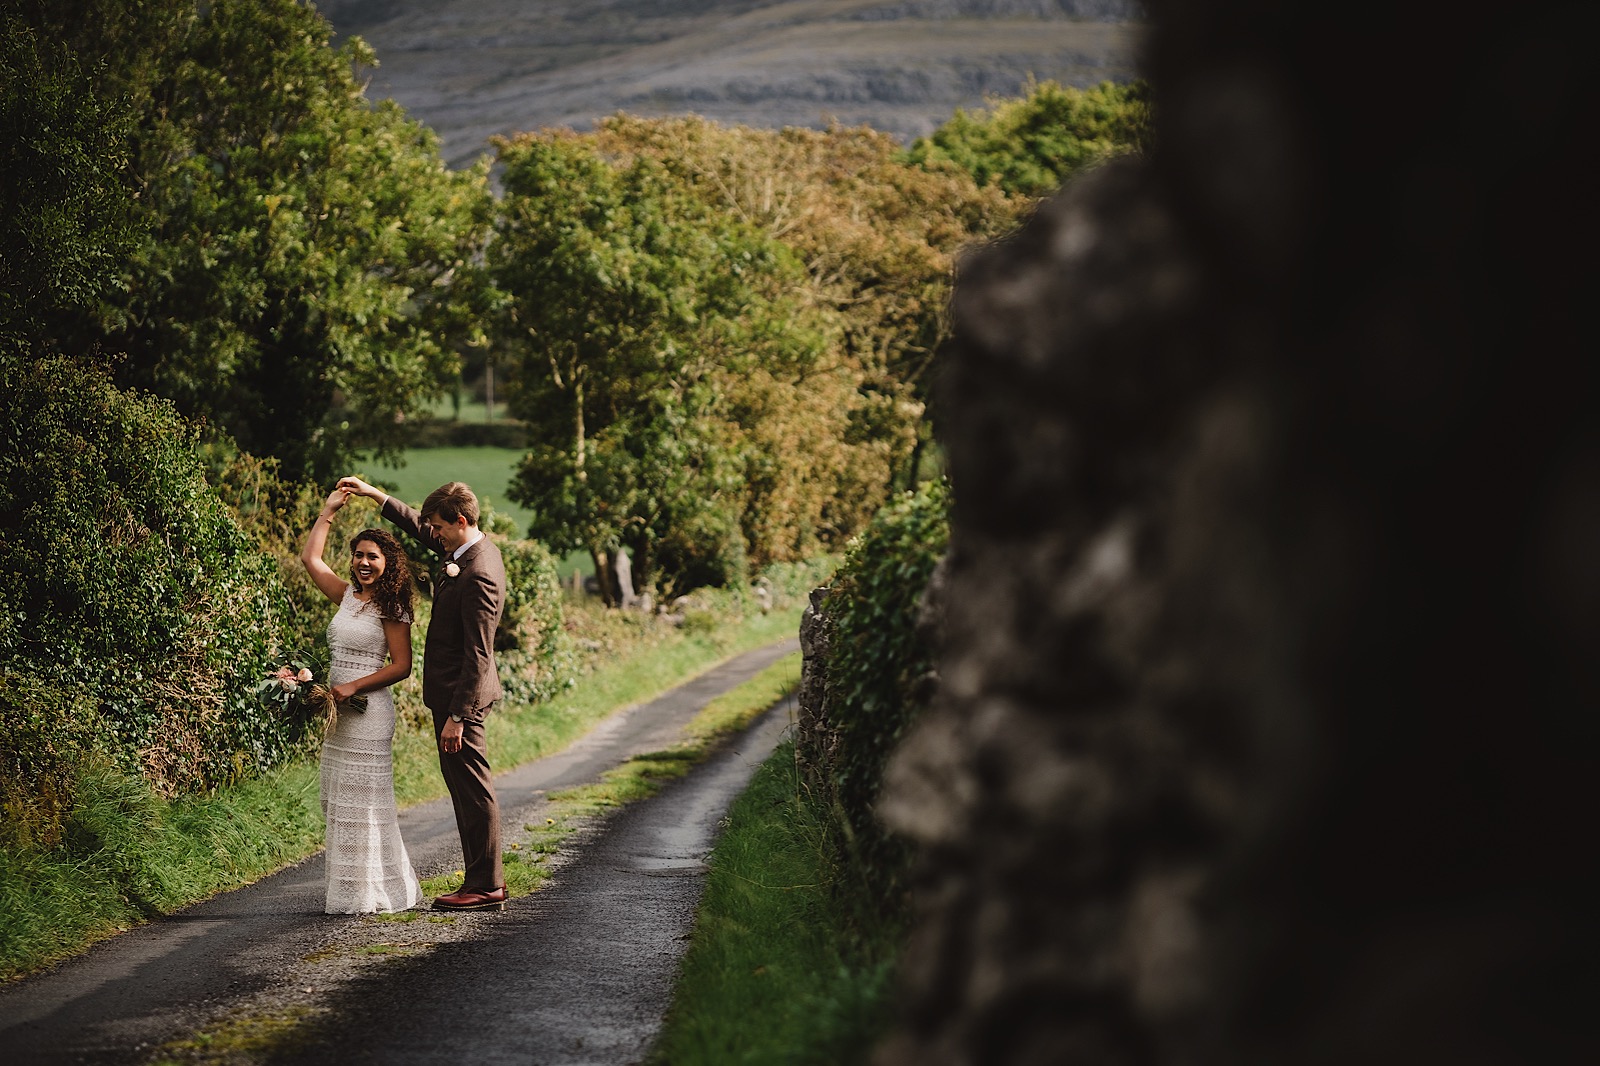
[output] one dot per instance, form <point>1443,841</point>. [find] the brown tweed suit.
<point>459,676</point>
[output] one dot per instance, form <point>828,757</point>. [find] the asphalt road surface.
<point>579,972</point>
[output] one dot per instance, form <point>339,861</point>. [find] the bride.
<point>367,865</point>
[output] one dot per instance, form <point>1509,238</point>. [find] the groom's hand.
<point>361,488</point>
<point>450,737</point>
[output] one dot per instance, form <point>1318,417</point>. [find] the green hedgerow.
<point>877,657</point>
<point>531,640</point>
<point>127,588</point>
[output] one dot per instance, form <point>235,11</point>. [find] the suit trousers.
<point>466,775</point>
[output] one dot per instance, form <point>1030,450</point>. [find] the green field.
<point>471,411</point>
<point>487,470</point>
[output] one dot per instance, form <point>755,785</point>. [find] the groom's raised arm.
<point>396,511</point>
<point>403,516</point>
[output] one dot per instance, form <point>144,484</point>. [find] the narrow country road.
<point>578,972</point>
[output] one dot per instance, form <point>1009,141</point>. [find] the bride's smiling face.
<point>367,563</point>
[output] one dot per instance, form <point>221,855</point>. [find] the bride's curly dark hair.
<point>392,593</point>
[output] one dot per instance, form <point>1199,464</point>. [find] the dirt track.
<point>579,972</point>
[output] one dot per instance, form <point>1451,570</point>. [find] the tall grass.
<point>138,856</point>
<point>135,856</point>
<point>776,972</point>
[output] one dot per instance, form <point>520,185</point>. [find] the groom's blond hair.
<point>450,502</point>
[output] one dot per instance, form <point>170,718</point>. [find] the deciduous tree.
<point>632,312</point>
<point>303,281</point>
<point>878,237</point>
<point>66,217</point>
<point>1030,146</point>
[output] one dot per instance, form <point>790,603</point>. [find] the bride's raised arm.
<point>331,584</point>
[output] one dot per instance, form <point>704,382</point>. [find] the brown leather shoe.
<point>468,899</point>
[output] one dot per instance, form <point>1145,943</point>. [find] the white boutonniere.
<point>452,570</point>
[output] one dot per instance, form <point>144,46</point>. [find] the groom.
<point>460,681</point>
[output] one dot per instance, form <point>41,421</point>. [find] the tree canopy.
<point>878,238</point>
<point>305,259</point>
<point>1030,146</point>
<point>65,213</point>
<point>632,311</point>
<point>720,336</point>
<point>720,340</point>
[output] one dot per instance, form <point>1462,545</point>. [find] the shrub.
<point>877,657</point>
<point>1033,145</point>
<point>276,513</point>
<point>45,734</point>
<point>531,638</point>
<point>136,610</point>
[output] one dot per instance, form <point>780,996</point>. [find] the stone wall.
<point>814,734</point>
<point>1267,705</point>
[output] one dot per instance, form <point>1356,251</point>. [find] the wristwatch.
<point>455,718</point>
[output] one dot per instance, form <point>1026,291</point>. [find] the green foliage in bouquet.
<point>288,689</point>
<point>298,692</point>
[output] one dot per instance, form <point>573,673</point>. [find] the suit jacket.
<point>459,674</point>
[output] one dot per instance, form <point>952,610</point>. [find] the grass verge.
<point>520,734</point>
<point>638,778</point>
<point>134,856</point>
<point>775,972</point>
<point>131,856</point>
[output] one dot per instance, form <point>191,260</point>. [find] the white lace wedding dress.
<point>367,865</point>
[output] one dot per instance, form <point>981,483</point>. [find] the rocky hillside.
<point>474,68</point>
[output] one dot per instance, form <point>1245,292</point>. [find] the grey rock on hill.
<point>471,69</point>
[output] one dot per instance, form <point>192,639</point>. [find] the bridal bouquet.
<point>296,692</point>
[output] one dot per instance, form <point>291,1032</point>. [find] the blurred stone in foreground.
<point>1269,709</point>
